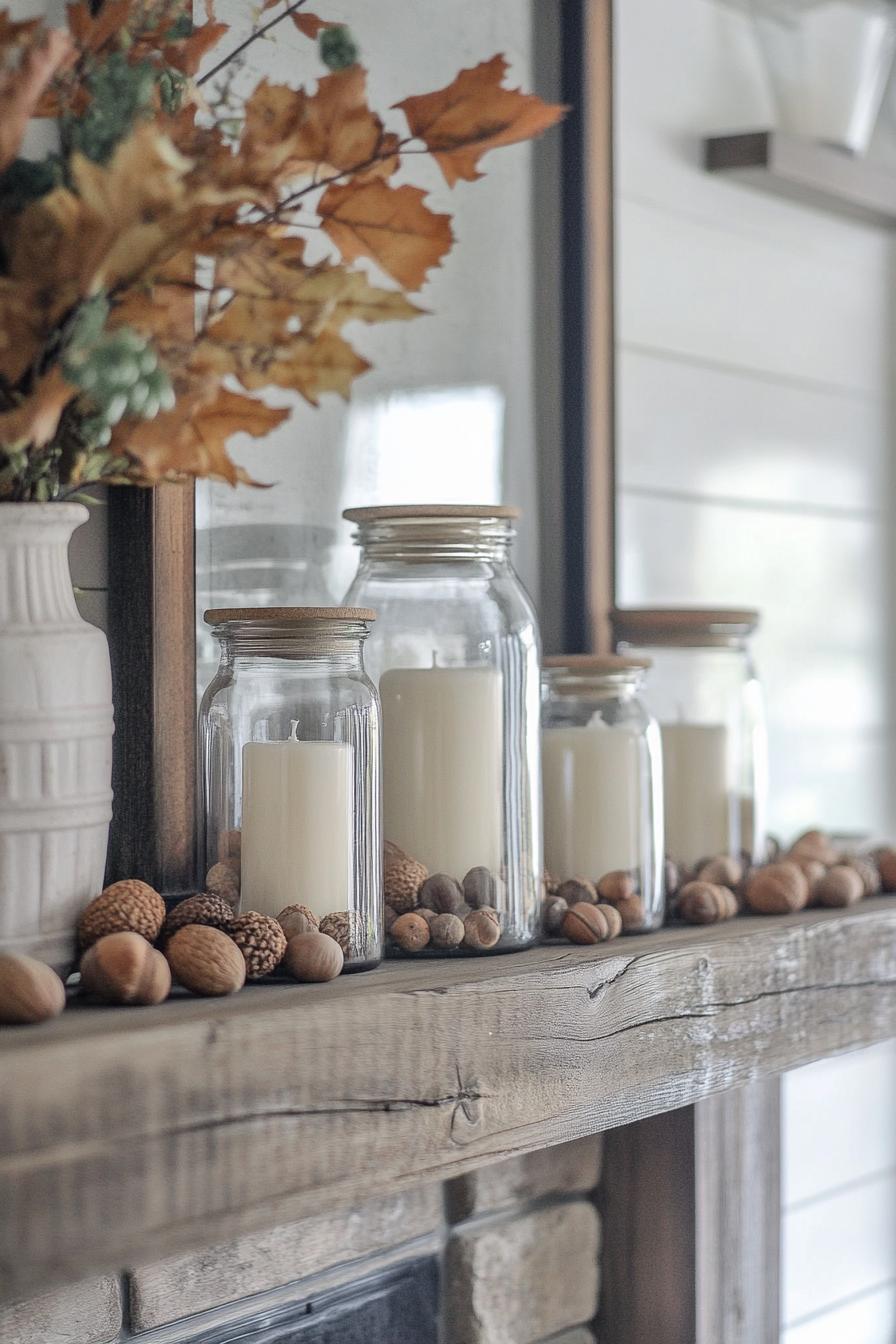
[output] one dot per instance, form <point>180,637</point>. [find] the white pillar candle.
<point>443,766</point>
<point>592,800</point>
<point>298,840</point>
<point>697,790</point>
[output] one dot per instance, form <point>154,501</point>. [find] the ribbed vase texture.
<point>55,737</point>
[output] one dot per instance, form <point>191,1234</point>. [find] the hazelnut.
<point>124,968</point>
<point>866,871</point>
<point>446,931</point>
<point>29,990</point>
<point>631,912</point>
<point>553,914</point>
<point>778,889</point>
<point>261,941</point>
<point>706,903</point>
<point>223,882</point>
<point>587,923</point>
<point>442,894</point>
<point>813,845</point>
<point>124,907</point>
<point>616,886</point>
<point>202,909</point>
<point>840,886</point>
<point>886,866</point>
<point>411,932</point>
<point>294,919</point>
<point>205,961</point>
<point>576,889</point>
<point>482,929</point>
<point>403,877</point>
<point>313,957</point>
<point>479,888</point>
<point>723,871</point>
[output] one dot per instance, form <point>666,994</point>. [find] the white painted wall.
<point>755,363</point>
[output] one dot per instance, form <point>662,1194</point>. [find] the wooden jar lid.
<point>384,512</point>
<point>605,664</point>
<point>645,625</point>
<point>288,615</point>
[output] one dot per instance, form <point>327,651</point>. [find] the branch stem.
<point>253,37</point>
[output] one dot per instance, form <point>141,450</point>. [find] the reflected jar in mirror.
<point>602,784</point>
<point>290,763</point>
<point>455,654</point>
<point>705,693</point>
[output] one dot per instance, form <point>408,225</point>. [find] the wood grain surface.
<point>132,1133</point>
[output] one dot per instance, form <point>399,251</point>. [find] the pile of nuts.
<point>132,950</point>
<point>592,912</point>
<point>438,912</point>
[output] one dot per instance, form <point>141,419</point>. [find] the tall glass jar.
<point>603,789</point>
<point>456,657</point>
<point>290,748</point>
<point>707,697</point>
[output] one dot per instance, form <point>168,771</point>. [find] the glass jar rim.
<point>698,627</point>
<point>286,616</point>
<point>594,664</point>
<point>386,513</point>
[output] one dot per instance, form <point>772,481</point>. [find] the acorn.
<point>261,941</point>
<point>705,903</point>
<point>813,845</point>
<point>576,889</point>
<point>616,886</point>
<point>841,886</point>
<point>723,871</point>
<point>130,906</point>
<point>587,923</point>
<point>867,872</point>
<point>778,889</point>
<point>403,877</point>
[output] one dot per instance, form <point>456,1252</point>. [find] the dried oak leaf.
<point>191,440</point>
<point>391,225</point>
<point>166,313</point>
<point>474,114</point>
<point>187,55</point>
<point>309,24</point>
<point>22,87</point>
<point>92,33</point>
<point>35,420</point>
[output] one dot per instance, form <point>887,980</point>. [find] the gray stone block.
<point>568,1168</point>
<point>84,1313</point>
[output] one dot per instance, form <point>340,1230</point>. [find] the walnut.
<point>294,919</point>
<point>345,927</point>
<point>482,929</point>
<point>202,909</point>
<point>313,958</point>
<point>616,886</point>
<point>587,923</point>
<point>446,931</point>
<point>125,907</point>
<point>29,990</point>
<point>403,877</point>
<point>553,913</point>
<point>261,941</point>
<point>778,889</point>
<point>410,932</point>
<point>125,968</point>
<point>840,886</point>
<point>223,881</point>
<point>205,961</point>
<point>577,889</point>
<point>442,893</point>
<point>705,903</point>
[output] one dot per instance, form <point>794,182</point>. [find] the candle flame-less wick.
<point>293,730</point>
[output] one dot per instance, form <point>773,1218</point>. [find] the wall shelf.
<point>128,1134</point>
<point>807,172</point>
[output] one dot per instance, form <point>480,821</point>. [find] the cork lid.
<point>594,664</point>
<point>288,615</point>
<point>385,512</point>
<point>683,625</point>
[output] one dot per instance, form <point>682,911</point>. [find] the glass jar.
<point>706,695</point>
<point>456,657</point>
<point>602,782</point>
<point>290,748</point>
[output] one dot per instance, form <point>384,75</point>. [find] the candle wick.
<point>293,730</point>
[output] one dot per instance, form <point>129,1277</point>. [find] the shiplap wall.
<point>755,359</point>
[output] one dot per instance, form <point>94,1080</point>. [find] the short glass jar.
<point>290,763</point>
<point>707,697</point>
<point>602,783</point>
<point>456,657</point>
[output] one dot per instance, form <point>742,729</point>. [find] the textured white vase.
<point>55,737</point>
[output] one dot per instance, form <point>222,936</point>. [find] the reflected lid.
<point>696,626</point>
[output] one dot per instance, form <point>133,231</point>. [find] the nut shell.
<point>230,845</point>
<point>479,888</point>
<point>706,903</point>
<point>206,961</point>
<point>441,893</point>
<point>29,990</point>
<point>616,886</point>
<point>813,845</point>
<point>223,881</point>
<point>482,929</point>
<point>201,909</point>
<point>296,919</point>
<point>313,958</point>
<point>124,968</point>
<point>840,886</point>
<point>403,877</point>
<point>586,923</point>
<point>345,927</point>
<point>576,889</point>
<point>124,907</point>
<point>553,913</point>
<point>886,866</point>
<point>261,941</point>
<point>410,932</point>
<point>631,912</point>
<point>778,889</point>
<point>723,871</point>
<point>446,931</point>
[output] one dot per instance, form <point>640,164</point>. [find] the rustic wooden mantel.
<point>127,1134</point>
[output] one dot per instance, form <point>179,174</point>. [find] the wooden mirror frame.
<point>152,586</point>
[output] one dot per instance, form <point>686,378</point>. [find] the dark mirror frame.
<point>151,533</point>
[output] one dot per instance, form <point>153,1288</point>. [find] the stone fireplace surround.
<point>507,1254</point>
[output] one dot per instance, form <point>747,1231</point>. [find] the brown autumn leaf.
<point>21,89</point>
<point>311,25</point>
<point>13,32</point>
<point>187,55</point>
<point>191,440</point>
<point>165,313</point>
<point>93,33</point>
<point>21,328</point>
<point>474,113</point>
<point>35,420</point>
<point>391,225</point>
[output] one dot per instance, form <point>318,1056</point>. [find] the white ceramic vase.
<point>55,737</point>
